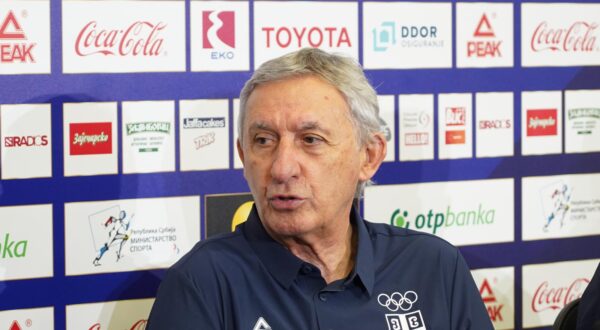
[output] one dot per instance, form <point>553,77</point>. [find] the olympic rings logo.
<point>397,300</point>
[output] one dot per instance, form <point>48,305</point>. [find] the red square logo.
<point>90,138</point>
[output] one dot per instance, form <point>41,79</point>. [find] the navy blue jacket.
<point>402,280</point>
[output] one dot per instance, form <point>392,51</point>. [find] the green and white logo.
<point>433,221</point>
<point>10,248</point>
<point>149,127</point>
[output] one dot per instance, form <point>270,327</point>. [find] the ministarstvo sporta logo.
<point>433,221</point>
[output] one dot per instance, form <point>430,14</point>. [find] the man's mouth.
<point>285,202</point>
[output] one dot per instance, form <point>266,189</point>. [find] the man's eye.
<point>262,140</point>
<point>312,139</point>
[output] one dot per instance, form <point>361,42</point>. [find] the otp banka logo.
<point>405,302</point>
<point>388,34</point>
<point>218,33</point>
<point>433,221</point>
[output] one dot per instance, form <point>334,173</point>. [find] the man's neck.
<point>334,255</point>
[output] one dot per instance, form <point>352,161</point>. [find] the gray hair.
<point>341,72</point>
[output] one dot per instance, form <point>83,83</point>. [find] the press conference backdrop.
<point>118,126</point>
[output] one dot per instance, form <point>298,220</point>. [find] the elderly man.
<point>310,140</point>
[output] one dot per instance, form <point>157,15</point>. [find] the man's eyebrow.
<point>312,125</point>
<point>260,126</point>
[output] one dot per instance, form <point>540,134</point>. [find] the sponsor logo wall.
<point>26,134</point>
<point>118,119</point>
<point>497,289</point>
<point>224,212</point>
<point>455,211</point>
<point>282,27</point>
<point>26,242</point>
<point>560,34</point>
<point>123,36</point>
<point>561,206</point>
<point>407,35</point>
<point>126,235</point>
<point>24,37</point>
<point>123,314</point>
<point>547,288</point>
<point>34,319</point>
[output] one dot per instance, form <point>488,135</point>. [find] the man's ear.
<point>240,150</point>
<point>374,153</point>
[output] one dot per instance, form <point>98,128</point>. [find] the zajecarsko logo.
<point>433,221</point>
<point>556,200</point>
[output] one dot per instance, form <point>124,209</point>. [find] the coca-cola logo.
<point>542,122</point>
<point>580,36</point>
<point>141,38</point>
<point>547,297</point>
<point>26,141</point>
<point>139,325</point>
<point>90,138</point>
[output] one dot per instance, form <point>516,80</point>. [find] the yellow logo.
<point>241,214</point>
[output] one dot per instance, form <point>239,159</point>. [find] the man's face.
<point>301,157</point>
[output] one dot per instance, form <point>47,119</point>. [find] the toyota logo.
<point>397,300</point>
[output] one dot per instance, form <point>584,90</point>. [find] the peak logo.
<point>433,221</point>
<point>140,38</point>
<point>218,29</point>
<point>484,48</point>
<point>16,50</point>
<point>491,303</point>
<point>550,298</point>
<point>9,248</point>
<point>26,141</point>
<point>307,36</point>
<point>90,138</point>
<point>542,122</point>
<point>484,28</point>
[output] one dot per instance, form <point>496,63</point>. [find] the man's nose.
<point>285,162</point>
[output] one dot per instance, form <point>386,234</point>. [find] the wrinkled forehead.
<point>303,102</point>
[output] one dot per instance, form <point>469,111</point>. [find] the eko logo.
<point>431,221</point>
<point>218,29</point>
<point>18,50</point>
